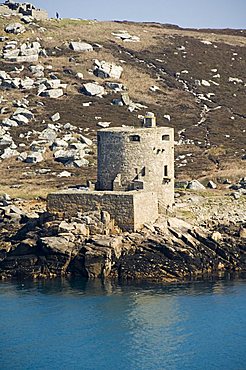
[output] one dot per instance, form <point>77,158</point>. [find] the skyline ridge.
<point>186,14</point>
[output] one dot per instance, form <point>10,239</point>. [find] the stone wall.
<point>139,155</point>
<point>145,208</point>
<point>24,9</point>
<point>130,210</point>
<point>39,14</point>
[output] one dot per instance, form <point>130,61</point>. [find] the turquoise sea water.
<point>94,325</point>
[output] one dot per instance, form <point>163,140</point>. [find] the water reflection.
<point>79,324</point>
<point>80,286</point>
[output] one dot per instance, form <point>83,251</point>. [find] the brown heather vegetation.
<point>218,143</point>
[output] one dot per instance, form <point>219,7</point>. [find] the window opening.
<point>134,138</point>
<point>165,171</point>
<point>165,137</point>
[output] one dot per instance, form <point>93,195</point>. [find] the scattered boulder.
<point>9,153</point>
<point>53,84</point>
<point>167,116</point>
<point>64,174</point>
<point>5,200</point>
<point>51,88</point>
<point>78,163</point>
<point>22,156</point>
<point>125,36</point>
<point>107,70</point>
<point>195,185</point>
<point>206,42</point>
<point>7,122</point>
<point>226,182</point>
<point>27,19</point>
<point>103,124</point>
<point>80,46</point>
<point>69,126</point>
<point>59,143</point>
<point>77,146</point>
<point>10,83</point>
<point>4,75</point>
<point>115,86</point>
<point>93,89</point>
<point>205,83</point>
<point>15,28</point>
<point>86,140</point>
<point>24,112</point>
<point>154,88</point>
<point>242,182</point>
<point>37,70</point>
<point>6,139</point>
<point>235,80</point>
<point>123,100</point>
<point>52,93</point>
<point>80,75</point>
<point>34,157</point>
<point>27,83</point>
<point>136,106</point>
<point>118,102</point>
<point>68,156</point>
<point>55,117</point>
<point>20,119</point>
<point>48,134</point>
<point>10,54</point>
<point>38,146</point>
<point>211,185</point>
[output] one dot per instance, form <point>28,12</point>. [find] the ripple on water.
<point>75,324</point>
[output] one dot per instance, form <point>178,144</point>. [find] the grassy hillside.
<point>201,79</point>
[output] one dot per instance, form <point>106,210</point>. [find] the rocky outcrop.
<point>39,245</point>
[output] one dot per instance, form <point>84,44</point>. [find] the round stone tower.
<point>138,158</point>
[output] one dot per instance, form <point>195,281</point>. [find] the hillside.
<point>193,80</point>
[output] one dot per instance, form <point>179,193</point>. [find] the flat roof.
<point>135,129</point>
<point>85,191</point>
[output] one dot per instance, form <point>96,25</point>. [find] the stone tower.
<point>138,158</point>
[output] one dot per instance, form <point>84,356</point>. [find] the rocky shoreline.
<point>35,244</point>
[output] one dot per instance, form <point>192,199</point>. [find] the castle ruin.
<point>10,7</point>
<point>135,176</point>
